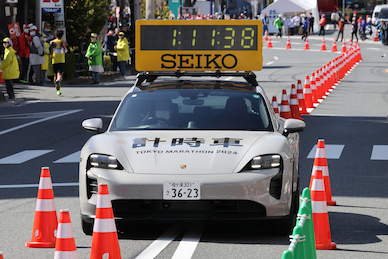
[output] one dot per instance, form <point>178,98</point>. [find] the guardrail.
<point>302,239</point>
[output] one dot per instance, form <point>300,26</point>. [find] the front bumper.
<point>229,196</point>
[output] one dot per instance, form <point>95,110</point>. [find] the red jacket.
<point>24,45</point>
<point>322,21</point>
<point>341,25</point>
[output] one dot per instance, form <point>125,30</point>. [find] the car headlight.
<point>104,161</point>
<point>266,162</point>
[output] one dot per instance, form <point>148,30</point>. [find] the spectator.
<point>279,25</point>
<point>225,12</point>
<point>122,53</point>
<point>286,26</point>
<point>37,50</point>
<point>126,31</point>
<point>296,21</point>
<point>302,16</point>
<point>322,23</point>
<point>48,32</point>
<point>363,29</point>
<point>265,21</point>
<point>171,15</point>
<point>305,28</point>
<point>10,67</point>
<point>334,17</point>
<point>341,27</point>
<point>109,47</point>
<point>311,20</point>
<point>94,56</point>
<point>46,63</point>
<point>24,52</point>
<point>354,28</point>
<point>59,48</point>
<point>369,25</point>
<point>245,12</point>
<point>292,26</point>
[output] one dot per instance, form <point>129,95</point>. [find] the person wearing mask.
<point>94,56</point>
<point>341,27</point>
<point>46,63</point>
<point>305,28</point>
<point>10,67</point>
<point>279,25</point>
<point>48,32</point>
<point>265,21</point>
<point>311,20</point>
<point>59,50</point>
<point>322,23</point>
<point>24,52</point>
<point>36,54</point>
<point>122,53</point>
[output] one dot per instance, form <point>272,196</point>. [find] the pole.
<point>38,14</point>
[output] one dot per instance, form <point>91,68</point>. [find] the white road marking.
<point>39,121</point>
<point>189,243</point>
<point>72,158</point>
<point>379,152</point>
<point>332,151</point>
<point>12,186</point>
<point>269,63</point>
<point>23,156</point>
<point>275,58</point>
<point>162,242</point>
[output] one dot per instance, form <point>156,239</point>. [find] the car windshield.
<point>196,109</point>
<point>383,14</point>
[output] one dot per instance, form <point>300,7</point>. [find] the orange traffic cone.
<point>285,110</point>
<point>302,103</point>
<point>294,104</point>
<point>306,44</point>
<point>313,86</point>
<point>334,48</point>
<point>105,239</point>
<point>45,221</point>
<point>343,46</point>
<point>307,93</point>
<point>320,215</point>
<point>269,45</point>
<point>288,43</point>
<point>275,105</point>
<point>65,246</point>
<point>323,47</point>
<point>320,163</point>
<point>376,38</point>
<point>265,36</point>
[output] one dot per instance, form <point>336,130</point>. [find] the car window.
<point>199,109</point>
<point>383,14</point>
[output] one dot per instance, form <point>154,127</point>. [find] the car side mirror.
<point>293,126</point>
<point>93,125</point>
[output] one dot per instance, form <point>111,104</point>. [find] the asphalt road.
<point>351,120</point>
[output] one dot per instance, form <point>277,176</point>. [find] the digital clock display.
<point>198,45</point>
<point>199,37</point>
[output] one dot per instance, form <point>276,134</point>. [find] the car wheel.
<point>87,227</point>
<point>285,226</point>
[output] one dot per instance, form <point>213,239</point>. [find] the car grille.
<point>204,209</point>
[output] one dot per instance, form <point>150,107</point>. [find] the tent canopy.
<point>292,6</point>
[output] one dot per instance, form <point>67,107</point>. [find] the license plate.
<point>181,191</point>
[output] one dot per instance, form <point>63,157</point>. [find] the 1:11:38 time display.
<point>198,37</point>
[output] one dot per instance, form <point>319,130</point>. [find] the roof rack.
<point>250,77</point>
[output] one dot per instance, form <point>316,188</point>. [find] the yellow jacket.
<point>122,50</point>
<point>10,65</point>
<point>46,56</point>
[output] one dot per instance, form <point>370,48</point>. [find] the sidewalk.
<point>23,91</point>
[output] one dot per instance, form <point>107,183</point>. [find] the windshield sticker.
<point>256,96</point>
<point>225,152</point>
<point>191,142</point>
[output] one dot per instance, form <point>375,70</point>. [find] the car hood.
<point>188,152</point>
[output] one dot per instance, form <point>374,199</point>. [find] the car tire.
<point>285,226</point>
<point>87,227</point>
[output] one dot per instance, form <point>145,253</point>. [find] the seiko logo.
<point>198,61</point>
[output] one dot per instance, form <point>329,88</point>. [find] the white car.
<point>181,149</point>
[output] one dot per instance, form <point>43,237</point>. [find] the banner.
<point>14,30</point>
<point>51,6</point>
